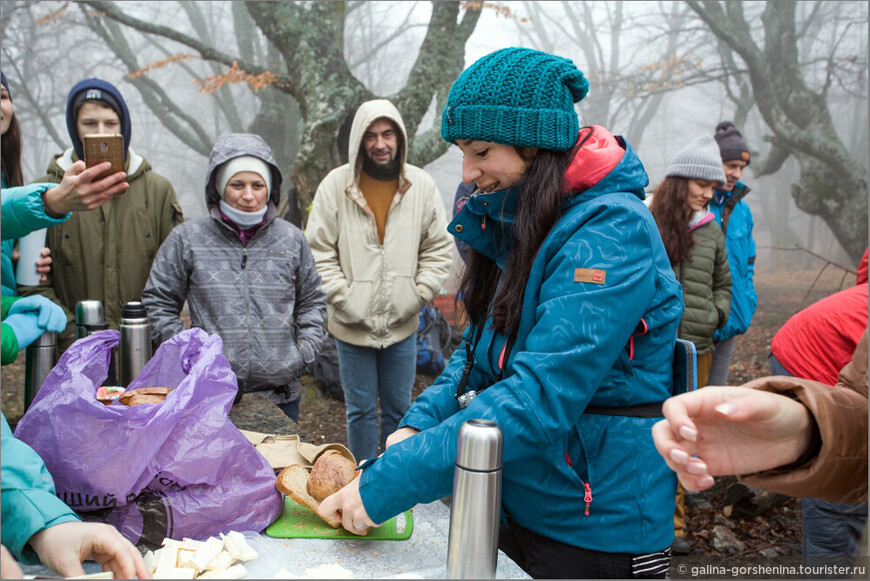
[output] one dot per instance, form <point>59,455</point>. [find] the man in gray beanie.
<point>735,218</point>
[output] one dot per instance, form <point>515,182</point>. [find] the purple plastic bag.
<point>177,469</point>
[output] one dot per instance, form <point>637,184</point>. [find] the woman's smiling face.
<point>492,166</point>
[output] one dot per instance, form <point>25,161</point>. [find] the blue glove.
<point>25,326</point>
<point>51,316</point>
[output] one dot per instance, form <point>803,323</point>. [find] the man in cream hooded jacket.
<point>378,234</point>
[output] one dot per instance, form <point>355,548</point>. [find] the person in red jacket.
<point>816,343</point>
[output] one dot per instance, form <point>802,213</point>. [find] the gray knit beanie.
<point>731,144</point>
<point>700,160</point>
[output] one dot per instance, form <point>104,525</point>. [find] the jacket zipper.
<point>587,495</point>
<point>247,306</point>
<point>382,314</point>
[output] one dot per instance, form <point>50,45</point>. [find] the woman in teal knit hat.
<point>573,311</point>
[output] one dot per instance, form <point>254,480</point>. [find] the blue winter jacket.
<point>735,218</point>
<point>572,350</point>
<point>22,212</point>
<point>29,503</point>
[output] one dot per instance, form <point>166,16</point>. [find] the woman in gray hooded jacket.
<point>246,275</point>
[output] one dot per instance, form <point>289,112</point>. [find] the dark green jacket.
<point>9,340</point>
<point>106,254</point>
<point>706,280</point>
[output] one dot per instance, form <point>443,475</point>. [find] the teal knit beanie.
<point>516,96</point>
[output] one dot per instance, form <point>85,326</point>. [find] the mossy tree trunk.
<point>833,182</point>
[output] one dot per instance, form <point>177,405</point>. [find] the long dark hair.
<point>670,208</point>
<point>11,155</point>
<point>539,207</point>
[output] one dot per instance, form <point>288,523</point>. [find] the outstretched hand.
<point>79,190</point>
<point>63,547</point>
<point>730,430</point>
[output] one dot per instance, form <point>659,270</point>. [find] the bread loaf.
<point>293,481</point>
<point>144,395</point>
<point>331,472</point>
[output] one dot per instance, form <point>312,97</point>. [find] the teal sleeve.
<point>28,499</point>
<point>23,212</point>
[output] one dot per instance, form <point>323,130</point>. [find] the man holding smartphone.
<point>105,254</point>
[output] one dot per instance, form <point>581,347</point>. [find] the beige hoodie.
<point>374,291</point>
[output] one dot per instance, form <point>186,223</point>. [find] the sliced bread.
<point>293,481</point>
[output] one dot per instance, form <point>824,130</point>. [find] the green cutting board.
<point>298,522</point>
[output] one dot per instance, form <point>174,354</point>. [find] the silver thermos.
<point>38,363</point>
<point>472,545</point>
<point>89,319</point>
<point>135,350</point>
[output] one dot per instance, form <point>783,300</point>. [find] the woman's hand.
<point>63,547</point>
<point>730,430</point>
<point>78,192</point>
<point>346,505</point>
<point>401,434</point>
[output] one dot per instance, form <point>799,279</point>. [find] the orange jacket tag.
<point>590,275</point>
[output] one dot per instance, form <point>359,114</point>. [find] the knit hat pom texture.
<point>516,96</point>
<point>731,144</point>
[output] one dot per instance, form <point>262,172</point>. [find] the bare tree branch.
<point>22,89</point>
<point>152,93</point>
<point>110,10</point>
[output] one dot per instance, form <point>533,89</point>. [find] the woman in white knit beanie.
<point>245,274</point>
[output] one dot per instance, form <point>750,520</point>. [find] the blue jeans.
<point>831,529</point>
<point>777,368</point>
<point>368,374</point>
<point>723,352</point>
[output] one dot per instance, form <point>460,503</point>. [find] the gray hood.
<point>233,145</point>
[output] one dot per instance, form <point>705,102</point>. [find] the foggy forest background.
<point>791,75</point>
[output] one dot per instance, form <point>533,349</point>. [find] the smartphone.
<point>105,147</point>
